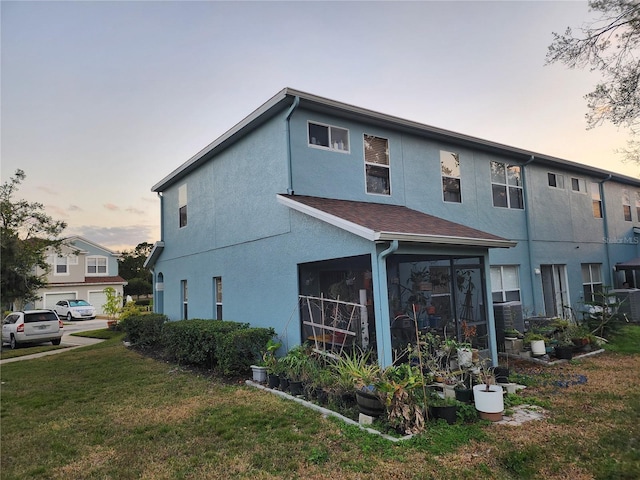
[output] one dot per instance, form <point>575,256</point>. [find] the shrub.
<point>194,341</point>
<point>144,330</point>
<point>237,351</point>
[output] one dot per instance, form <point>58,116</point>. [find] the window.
<point>450,170</point>
<point>626,205</point>
<point>555,180</point>
<point>638,205</point>
<point>182,205</point>
<point>506,185</point>
<point>217,290</point>
<point>596,200</point>
<point>591,281</point>
<point>61,265</point>
<point>376,163</point>
<point>96,265</point>
<point>185,298</point>
<point>505,283</point>
<point>326,136</point>
<point>578,185</point>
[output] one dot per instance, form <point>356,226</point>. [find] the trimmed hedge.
<point>144,330</point>
<point>194,341</point>
<point>240,349</point>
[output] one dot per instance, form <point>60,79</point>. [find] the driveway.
<point>67,339</point>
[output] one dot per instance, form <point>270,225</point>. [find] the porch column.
<point>491,322</point>
<point>381,302</point>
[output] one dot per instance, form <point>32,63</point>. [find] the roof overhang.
<point>151,260</point>
<point>386,236</point>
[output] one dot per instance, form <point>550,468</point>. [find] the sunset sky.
<point>101,100</point>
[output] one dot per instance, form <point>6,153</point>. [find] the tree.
<point>27,233</point>
<point>131,268</point>
<point>610,45</point>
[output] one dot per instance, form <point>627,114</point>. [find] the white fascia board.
<point>341,223</point>
<point>444,240</point>
<point>153,256</point>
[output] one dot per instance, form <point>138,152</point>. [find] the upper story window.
<point>96,265</point>
<point>555,180</point>
<point>376,164</point>
<point>450,170</point>
<point>182,205</point>
<point>578,185</point>
<point>327,136</point>
<point>505,283</point>
<point>60,265</point>
<point>506,185</point>
<point>638,205</point>
<point>596,200</point>
<point>626,205</point>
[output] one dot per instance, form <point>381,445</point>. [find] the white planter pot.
<point>259,373</point>
<point>537,347</point>
<point>488,402</point>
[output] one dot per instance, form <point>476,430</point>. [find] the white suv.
<point>71,309</point>
<point>31,326</point>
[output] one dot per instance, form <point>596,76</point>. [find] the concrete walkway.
<point>68,340</point>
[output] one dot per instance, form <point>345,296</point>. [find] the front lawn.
<point>107,412</point>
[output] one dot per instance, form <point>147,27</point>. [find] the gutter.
<point>294,105</point>
<point>381,299</point>
<point>527,217</point>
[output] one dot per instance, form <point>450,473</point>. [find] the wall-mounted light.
<point>536,271</point>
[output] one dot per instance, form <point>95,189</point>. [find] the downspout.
<point>381,299</point>
<point>161,216</point>
<point>527,217</point>
<point>606,229</point>
<point>156,301</point>
<point>296,102</point>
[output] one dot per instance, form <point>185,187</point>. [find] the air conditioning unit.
<point>507,315</point>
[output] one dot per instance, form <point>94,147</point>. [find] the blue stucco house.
<point>340,225</point>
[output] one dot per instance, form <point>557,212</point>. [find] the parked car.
<point>71,309</point>
<point>31,326</point>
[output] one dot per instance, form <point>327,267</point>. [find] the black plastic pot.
<point>284,384</point>
<point>295,388</point>
<point>564,352</point>
<point>464,395</point>
<point>273,380</point>
<point>501,374</point>
<point>447,412</point>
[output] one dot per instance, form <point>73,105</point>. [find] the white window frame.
<point>589,282</point>
<point>217,297</point>
<point>582,185</point>
<point>97,273</point>
<point>376,165</point>
<point>596,197</point>
<point>336,144</point>
<point>626,206</point>
<point>184,297</point>
<point>58,262</point>
<point>182,204</point>
<point>501,288</point>
<point>444,176</point>
<point>558,180</point>
<point>638,205</point>
<point>508,186</point>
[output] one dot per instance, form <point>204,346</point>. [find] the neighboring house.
<point>81,270</point>
<point>308,198</point>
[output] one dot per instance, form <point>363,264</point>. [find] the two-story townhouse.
<point>81,269</point>
<point>340,225</point>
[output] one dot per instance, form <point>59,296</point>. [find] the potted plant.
<point>403,392</point>
<point>363,375</point>
<point>463,390</point>
<point>270,362</point>
<point>295,365</point>
<point>487,396</point>
<point>537,343</point>
<point>443,408</point>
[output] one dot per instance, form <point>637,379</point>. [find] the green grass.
<point>627,342</point>
<point>104,334</point>
<point>107,412</point>
<point>28,350</point>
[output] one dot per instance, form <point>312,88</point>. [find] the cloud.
<point>56,211</point>
<point>117,238</point>
<point>48,190</point>
<point>74,208</point>
<point>111,206</point>
<point>137,211</point>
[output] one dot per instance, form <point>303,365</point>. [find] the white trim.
<point>330,148</point>
<point>388,166</point>
<point>96,273</point>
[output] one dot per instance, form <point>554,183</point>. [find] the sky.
<point>101,100</point>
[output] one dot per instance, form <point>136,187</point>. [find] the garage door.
<point>50,299</point>
<point>97,299</point>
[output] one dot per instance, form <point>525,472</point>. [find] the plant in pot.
<point>463,389</point>
<point>270,362</point>
<point>443,408</point>
<point>403,392</point>
<point>487,396</point>
<point>536,341</point>
<point>357,370</point>
<point>295,365</point>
